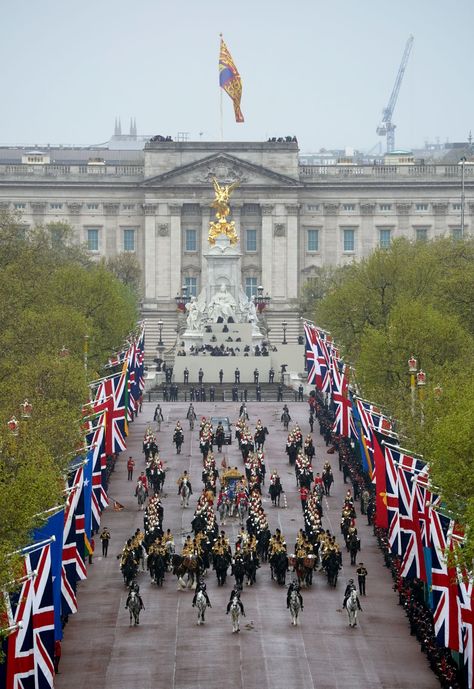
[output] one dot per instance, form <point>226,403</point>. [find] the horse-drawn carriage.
<point>230,499</point>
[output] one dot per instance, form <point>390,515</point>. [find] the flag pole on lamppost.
<point>412,370</point>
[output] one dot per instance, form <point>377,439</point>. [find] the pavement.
<point>169,651</point>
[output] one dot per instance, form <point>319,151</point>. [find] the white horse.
<point>224,509</point>
<point>295,607</point>
<point>241,510</point>
<point>235,612</point>
<point>142,494</point>
<point>352,606</point>
<point>185,492</point>
<point>134,606</point>
<point>201,605</point>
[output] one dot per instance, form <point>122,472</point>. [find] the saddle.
<point>190,562</point>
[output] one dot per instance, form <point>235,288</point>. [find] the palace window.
<point>385,206</point>
<point>421,234</point>
<point>93,239</point>
<point>56,206</point>
<point>19,206</point>
<point>385,237</point>
<point>312,207</point>
<point>421,206</point>
<point>313,240</point>
<point>128,206</point>
<point>251,240</point>
<point>250,287</point>
<point>456,206</point>
<point>190,240</point>
<point>191,284</point>
<point>456,233</point>
<point>348,240</point>
<point>348,207</point>
<point>129,239</point>
<point>92,206</point>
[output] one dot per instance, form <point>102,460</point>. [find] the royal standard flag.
<point>230,81</point>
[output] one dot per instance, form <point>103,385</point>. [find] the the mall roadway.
<point>169,651</point>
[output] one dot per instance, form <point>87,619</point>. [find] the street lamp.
<point>160,326</point>
<point>283,325</point>
<point>462,163</point>
<point>182,299</point>
<point>261,302</point>
<point>412,370</point>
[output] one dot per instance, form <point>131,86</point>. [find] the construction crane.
<point>387,128</point>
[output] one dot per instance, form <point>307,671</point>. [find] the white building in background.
<point>291,217</point>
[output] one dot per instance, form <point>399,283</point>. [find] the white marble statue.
<point>222,305</point>
<point>195,315</point>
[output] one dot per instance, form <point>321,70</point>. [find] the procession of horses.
<point>235,496</point>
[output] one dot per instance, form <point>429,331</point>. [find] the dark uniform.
<point>361,575</point>
<point>105,538</point>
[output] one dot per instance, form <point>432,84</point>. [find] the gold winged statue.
<point>221,204</point>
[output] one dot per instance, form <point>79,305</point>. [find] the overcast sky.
<point>320,69</point>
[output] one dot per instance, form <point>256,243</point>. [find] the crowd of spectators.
<point>227,350</point>
<point>410,591</point>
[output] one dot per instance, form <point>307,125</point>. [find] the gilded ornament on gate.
<point>221,204</point>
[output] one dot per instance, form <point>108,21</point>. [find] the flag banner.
<point>77,482</point>
<point>39,561</point>
<point>467,620</point>
<point>54,527</point>
<point>99,500</point>
<point>111,397</point>
<point>343,420</point>
<point>229,80</point>
<point>317,359</point>
<point>444,584</point>
<point>19,670</point>
<point>380,476</point>
<point>393,508</point>
<point>411,540</point>
<point>69,559</point>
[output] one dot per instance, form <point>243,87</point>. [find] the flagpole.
<point>221,106</point>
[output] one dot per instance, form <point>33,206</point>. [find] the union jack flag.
<point>446,604</point>
<point>110,398</point>
<point>343,420</point>
<point>69,558</point>
<point>392,456</point>
<point>466,595</point>
<point>39,561</point>
<point>99,499</point>
<point>77,483</point>
<point>411,540</point>
<point>20,663</point>
<point>317,359</point>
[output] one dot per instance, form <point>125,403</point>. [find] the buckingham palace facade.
<point>291,218</point>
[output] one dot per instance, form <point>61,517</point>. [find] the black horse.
<point>238,570</point>
<point>157,567</point>
<point>275,491</point>
<point>332,565</point>
<point>251,564</point>
<point>279,565</point>
<point>263,542</point>
<point>129,569</point>
<point>178,439</point>
<point>328,480</point>
<point>221,565</point>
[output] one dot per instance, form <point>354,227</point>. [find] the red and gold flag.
<point>229,80</point>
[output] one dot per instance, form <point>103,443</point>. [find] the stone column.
<point>267,247</point>
<point>149,276</point>
<point>74,211</point>
<point>403,213</point>
<point>440,210</point>
<point>367,242</point>
<point>112,241</point>
<point>331,240</point>
<point>205,219</point>
<point>292,272</point>
<point>175,248</point>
